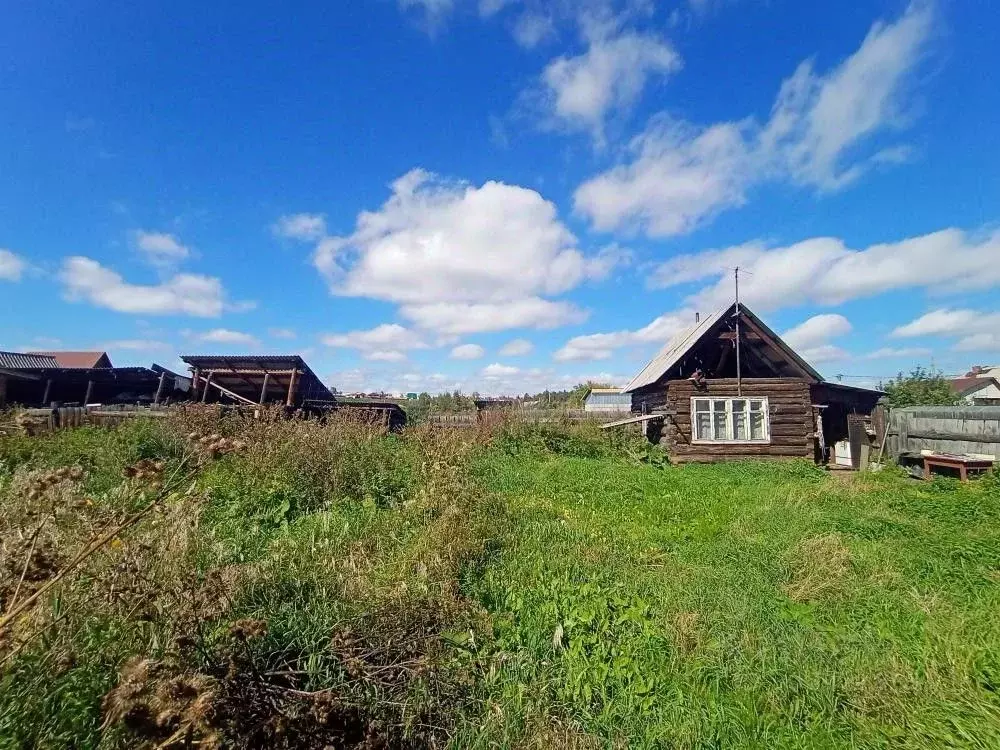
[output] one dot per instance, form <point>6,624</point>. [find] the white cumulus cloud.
<point>387,342</point>
<point>681,175</point>
<point>824,270</point>
<point>226,336</point>
<point>598,346</point>
<point>486,257</point>
<point>517,348</point>
<point>974,330</point>
<point>161,249</point>
<point>300,226</point>
<point>84,279</point>
<point>12,266</point>
<point>467,351</point>
<point>582,91</point>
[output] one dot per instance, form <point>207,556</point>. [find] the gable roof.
<point>967,385</point>
<point>74,360</point>
<point>685,341</point>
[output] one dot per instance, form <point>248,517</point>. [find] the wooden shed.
<point>728,387</point>
<point>251,379</point>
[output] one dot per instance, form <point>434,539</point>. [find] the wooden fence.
<point>947,429</point>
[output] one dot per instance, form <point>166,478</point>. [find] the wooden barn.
<point>45,379</point>
<point>255,379</point>
<point>728,387</point>
<point>258,380</point>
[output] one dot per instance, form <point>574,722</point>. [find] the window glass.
<point>739,424</point>
<point>703,425</point>
<point>720,426</point>
<point>729,419</point>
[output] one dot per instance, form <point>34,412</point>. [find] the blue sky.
<point>500,195</point>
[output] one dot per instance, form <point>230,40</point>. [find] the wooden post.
<point>293,386</point>
<point>90,390</point>
<point>159,388</point>
<point>208,381</point>
<point>195,381</point>
<point>263,388</point>
<point>48,390</point>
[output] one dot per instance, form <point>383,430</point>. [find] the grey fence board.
<point>949,429</point>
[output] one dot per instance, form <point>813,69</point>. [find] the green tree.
<point>922,387</point>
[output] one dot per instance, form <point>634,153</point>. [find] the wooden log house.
<point>728,388</point>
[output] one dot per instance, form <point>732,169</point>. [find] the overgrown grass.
<point>307,585</point>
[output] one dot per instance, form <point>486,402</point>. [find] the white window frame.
<point>731,426</point>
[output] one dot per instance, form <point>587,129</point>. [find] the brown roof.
<point>967,385</point>
<point>84,360</point>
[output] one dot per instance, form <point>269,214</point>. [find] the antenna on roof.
<point>739,380</point>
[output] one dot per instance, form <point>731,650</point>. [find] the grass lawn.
<point>749,605</point>
<point>302,586</point>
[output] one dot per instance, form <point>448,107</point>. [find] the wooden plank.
<point>159,388</point>
<point>632,420</point>
<point>226,391</point>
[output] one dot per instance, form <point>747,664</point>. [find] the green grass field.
<point>292,585</point>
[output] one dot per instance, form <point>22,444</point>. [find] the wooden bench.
<point>963,464</point>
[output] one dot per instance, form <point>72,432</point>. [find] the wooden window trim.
<point>765,410</point>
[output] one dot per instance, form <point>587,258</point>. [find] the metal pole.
<point>739,380</point>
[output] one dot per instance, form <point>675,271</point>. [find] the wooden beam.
<point>90,390</point>
<point>263,389</point>
<point>208,382</point>
<point>772,343</point>
<point>260,371</point>
<point>159,388</point>
<point>293,387</point>
<point>221,389</point>
<point>632,420</point>
<point>731,336</point>
<point>48,390</point>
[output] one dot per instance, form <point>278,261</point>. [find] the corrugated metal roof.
<point>84,360</point>
<point>310,386</point>
<point>19,361</point>
<point>672,353</point>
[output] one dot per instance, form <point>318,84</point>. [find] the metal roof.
<point>970,385</point>
<point>684,341</point>
<point>672,353</point>
<point>19,361</point>
<point>244,374</point>
<point>85,360</point>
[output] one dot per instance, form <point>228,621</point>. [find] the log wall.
<point>791,420</point>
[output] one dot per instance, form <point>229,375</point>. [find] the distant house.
<point>984,371</point>
<point>728,387</point>
<point>607,400</point>
<point>979,390</point>
<point>79,360</point>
